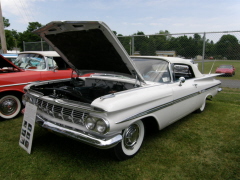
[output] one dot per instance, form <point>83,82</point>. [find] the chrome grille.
<point>65,114</point>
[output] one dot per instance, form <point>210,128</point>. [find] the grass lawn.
<point>199,146</point>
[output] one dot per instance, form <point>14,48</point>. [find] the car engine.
<point>77,90</point>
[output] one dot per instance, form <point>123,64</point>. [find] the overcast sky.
<point>129,16</point>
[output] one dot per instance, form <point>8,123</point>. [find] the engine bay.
<point>82,90</point>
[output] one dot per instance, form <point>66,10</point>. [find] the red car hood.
<point>223,70</point>
<point>5,63</point>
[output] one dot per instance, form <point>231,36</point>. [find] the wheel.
<point>201,109</point>
<point>10,106</point>
<point>132,140</point>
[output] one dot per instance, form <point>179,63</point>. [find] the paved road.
<point>230,83</point>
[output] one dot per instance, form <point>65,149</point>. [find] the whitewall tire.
<point>10,106</point>
<point>132,141</point>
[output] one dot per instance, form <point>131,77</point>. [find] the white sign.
<point>28,125</point>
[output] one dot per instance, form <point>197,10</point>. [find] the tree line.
<point>185,46</point>
<point>227,47</point>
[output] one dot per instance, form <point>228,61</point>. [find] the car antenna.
<point>212,66</point>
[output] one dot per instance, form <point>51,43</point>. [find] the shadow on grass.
<point>59,146</point>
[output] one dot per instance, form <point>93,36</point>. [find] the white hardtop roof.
<point>43,53</point>
<point>169,59</point>
<point>175,60</point>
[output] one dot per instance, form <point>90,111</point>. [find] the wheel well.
<point>150,124</point>
<point>209,97</point>
<point>15,93</point>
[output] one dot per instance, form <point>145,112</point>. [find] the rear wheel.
<point>132,140</point>
<point>10,106</point>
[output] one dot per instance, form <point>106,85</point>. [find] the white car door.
<point>186,95</point>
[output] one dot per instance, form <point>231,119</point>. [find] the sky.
<point>127,17</point>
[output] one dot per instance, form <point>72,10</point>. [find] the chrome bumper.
<point>90,140</point>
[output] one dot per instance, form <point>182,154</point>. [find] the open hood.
<point>5,63</point>
<point>88,46</point>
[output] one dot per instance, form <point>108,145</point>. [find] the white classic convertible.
<point>113,107</point>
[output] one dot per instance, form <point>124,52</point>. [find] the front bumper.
<point>80,136</point>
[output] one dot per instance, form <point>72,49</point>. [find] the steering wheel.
<point>28,64</point>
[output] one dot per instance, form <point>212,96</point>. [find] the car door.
<point>56,69</point>
<point>56,74</point>
<point>186,95</point>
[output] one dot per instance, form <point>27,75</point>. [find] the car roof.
<point>43,53</point>
<point>169,59</point>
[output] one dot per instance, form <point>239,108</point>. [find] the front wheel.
<point>10,106</point>
<point>132,140</point>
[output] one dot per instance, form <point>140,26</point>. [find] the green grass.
<point>199,146</point>
<point>213,65</point>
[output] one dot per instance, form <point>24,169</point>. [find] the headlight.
<point>101,126</point>
<point>26,98</point>
<point>96,124</point>
<point>90,123</point>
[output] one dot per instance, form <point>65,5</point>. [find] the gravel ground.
<point>230,83</point>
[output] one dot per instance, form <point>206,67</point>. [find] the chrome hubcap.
<point>8,106</point>
<point>131,135</point>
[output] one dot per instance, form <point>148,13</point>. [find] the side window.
<point>180,70</point>
<point>60,63</point>
<point>51,63</point>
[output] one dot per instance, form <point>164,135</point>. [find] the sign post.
<point>27,130</point>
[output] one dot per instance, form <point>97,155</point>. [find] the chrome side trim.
<point>80,136</point>
<point>157,108</point>
<point>15,84</point>
<point>19,84</point>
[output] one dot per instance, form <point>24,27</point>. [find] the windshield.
<point>30,61</point>
<point>155,70</point>
<point>226,67</point>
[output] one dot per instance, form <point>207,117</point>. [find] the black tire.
<point>202,108</point>
<point>10,106</point>
<point>132,141</point>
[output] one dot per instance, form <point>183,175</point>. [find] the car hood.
<point>224,69</point>
<point>89,46</point>
<point>6,63</point>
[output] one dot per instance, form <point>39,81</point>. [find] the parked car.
<point>113,109</point>
<point>11,57</point>
<point>33,66</point>
<point>226,70</point>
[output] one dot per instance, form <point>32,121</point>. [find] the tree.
<point>10,40</point>
<point>228,47</point>
<point>28,36</point>
<point>126,42</point>
<point>143,44</point>
<point>6,22</point>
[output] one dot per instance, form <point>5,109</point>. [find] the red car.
<point>28,67</point>
<point>226,70</point>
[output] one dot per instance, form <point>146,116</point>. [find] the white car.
<point>112,108</point>
<point>11,57</point>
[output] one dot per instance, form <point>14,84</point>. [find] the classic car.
<point>226,70</point>
<point>113,108</point>
<point>13,78</point>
